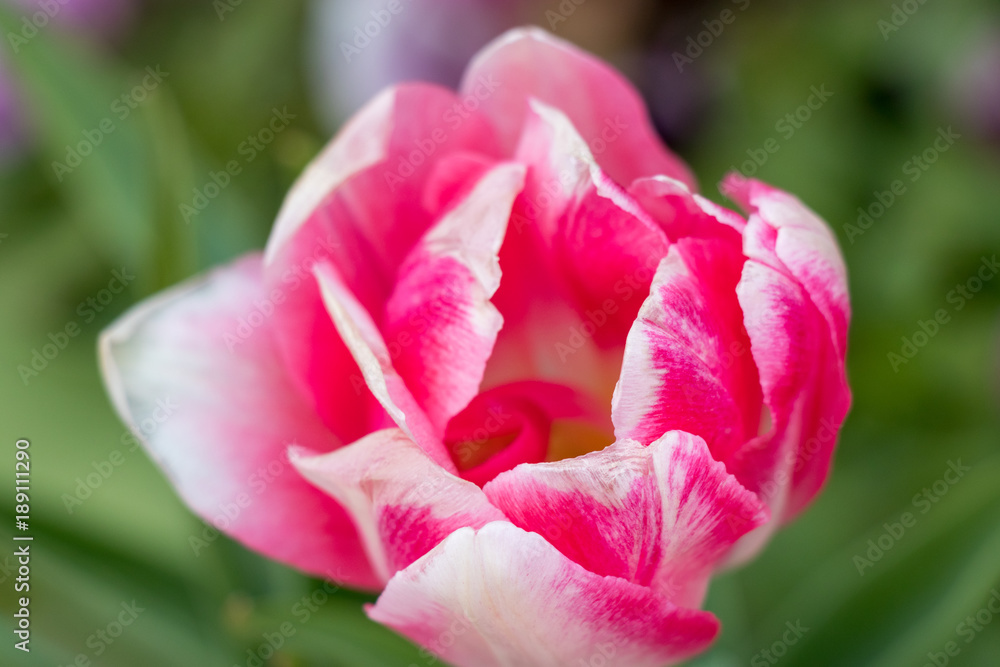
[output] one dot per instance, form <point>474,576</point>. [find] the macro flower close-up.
<point>517,363</point>
<point>419,333</point>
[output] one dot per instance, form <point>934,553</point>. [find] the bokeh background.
<point>900,75</point>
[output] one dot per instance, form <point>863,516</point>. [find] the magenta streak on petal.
<point>503,597</point>
<point>660,516</point>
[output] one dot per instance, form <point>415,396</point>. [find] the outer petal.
<point>237,412</point>
<point>501,597</point>
<point>805,246</point>
<point>440,324</point>
<point>360,207</point>
<point>794,296</point>
<point>659,516</point>
<point>403,503</point>
<point>531,63</point>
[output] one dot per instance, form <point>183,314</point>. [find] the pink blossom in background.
<point>501,362</point>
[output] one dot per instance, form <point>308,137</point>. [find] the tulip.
<point>501,362</point>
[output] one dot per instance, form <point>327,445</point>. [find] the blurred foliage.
<point>128,541</point>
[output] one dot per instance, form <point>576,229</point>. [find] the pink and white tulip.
<point>530,384</point>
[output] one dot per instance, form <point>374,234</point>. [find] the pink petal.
<point>794,296</point>
<point>805,390</point>
<point>577,262</point>
<point>439,323</point>
<point>360,207</point>
<point>530,63</point>
<point>224,446</point>
<point>681,213</point>
<point>453,178</point>
<point>502,597</point>
<point>354,325</point>
<point>403,503</point>
<point>687,364</point>
<point>656,516</point>
<point>804,244</point>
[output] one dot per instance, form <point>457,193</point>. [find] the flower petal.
<point>805,245</point>
<point>803,365</point>
<point>360,207</point>
<point>659,516</point>
<point>502,597</point>
<point>686,364</point>
<point>793,293</point>
<point>439,322</point>
<point>530,63</point>
<point>354,325</point>
<point>403,503</point>
<point>224,447</point>
<point>577,262</point>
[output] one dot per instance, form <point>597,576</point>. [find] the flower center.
<point>523,422</point>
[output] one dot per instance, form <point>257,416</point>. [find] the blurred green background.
<point>127,541</point>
